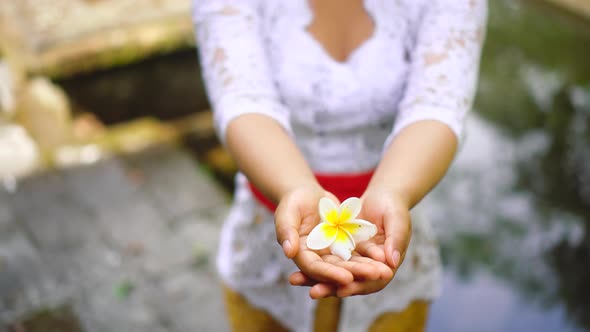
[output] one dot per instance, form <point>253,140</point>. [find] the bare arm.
<point>267,155</point>
<point>412,165</point>
<point>428,127</point>
<point>415,162</point>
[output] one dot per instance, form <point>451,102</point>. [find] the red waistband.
<point>342,186</point>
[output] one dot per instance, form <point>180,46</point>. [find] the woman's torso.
<point>341,111</point>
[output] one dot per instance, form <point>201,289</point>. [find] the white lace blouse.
<point>420,63</point>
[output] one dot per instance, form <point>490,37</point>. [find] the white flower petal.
<point>326,205</point>
<point>321,236</point>
<point>360,230</point>
<point>343,245</point>
<point>349,209</point>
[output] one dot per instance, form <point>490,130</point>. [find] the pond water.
<point>513,213</point>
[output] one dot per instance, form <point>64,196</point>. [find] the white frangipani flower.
<point>339,229</point>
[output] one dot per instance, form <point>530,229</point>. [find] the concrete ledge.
<point>576,7</point>
<point>65,37</point>
<point>113,48</point>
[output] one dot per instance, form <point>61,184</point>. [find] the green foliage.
<point>123,289</point>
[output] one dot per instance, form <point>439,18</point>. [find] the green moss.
<point>61,319</point>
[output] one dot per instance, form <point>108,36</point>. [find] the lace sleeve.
<point>444,64</point>
<point>234,62</point>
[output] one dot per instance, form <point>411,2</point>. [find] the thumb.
<point>287,223</point>
<point>398,231</point>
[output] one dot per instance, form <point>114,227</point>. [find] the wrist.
<point>291,187</point>
<point>401,198</point>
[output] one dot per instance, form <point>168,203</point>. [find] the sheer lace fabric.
<point>420,63</point>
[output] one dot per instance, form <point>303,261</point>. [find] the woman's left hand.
<point>392,217</point>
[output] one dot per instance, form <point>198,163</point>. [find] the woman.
<point>335,98</point>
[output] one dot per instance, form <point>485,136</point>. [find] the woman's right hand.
<point>296,215</point>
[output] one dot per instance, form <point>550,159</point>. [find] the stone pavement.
<point>127,244</point>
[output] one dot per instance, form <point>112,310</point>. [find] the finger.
<point>398,230</point>
<point>361,288</point>
<point>300,279</point>
<point>322,290</point>
<point>287,223</point>
<point>384,271</point>
<point>315,268</point>
<point>372,249</point>
<point>360,267</point>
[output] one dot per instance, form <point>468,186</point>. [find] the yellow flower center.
<point>335,218</point>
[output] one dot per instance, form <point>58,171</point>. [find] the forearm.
<point>415,161</point>
<point>266,154</point>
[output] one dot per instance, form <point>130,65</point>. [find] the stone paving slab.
<point>111,188</point>
<point>6,217</point>
<point>173,195</point>
<point>18,259</point>
<point>109,241</point>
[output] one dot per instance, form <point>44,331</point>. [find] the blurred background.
<point>113,185</point>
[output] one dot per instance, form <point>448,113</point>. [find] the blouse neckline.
<point>321,50</point>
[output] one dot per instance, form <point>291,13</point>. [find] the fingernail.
<point>396,258</point>
<point>287,247</point>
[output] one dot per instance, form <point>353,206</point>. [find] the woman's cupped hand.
<point>373,262</point>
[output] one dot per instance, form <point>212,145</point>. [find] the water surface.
<point>513,213</point>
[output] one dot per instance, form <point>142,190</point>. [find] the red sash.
<point>342,186</point>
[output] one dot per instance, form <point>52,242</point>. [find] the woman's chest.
<point>340,26</point>
<point>363,82</point>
